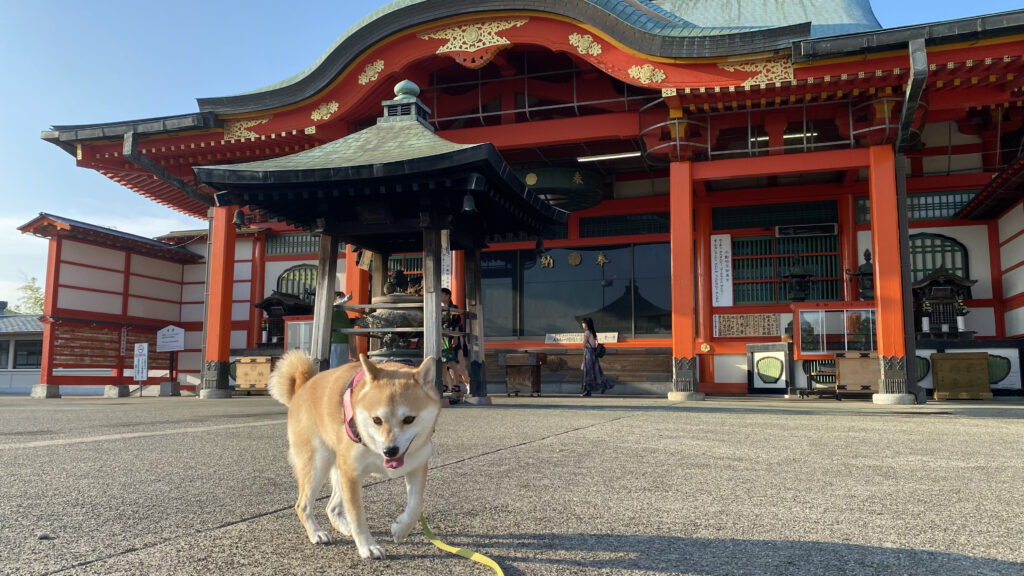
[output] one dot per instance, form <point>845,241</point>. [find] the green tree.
<point>31,300</point>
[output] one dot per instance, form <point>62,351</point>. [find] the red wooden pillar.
<point>459,278</point>
<point>357,284</point>
<point>44,389</point>
<point>848,245</point>
<point>684,357</point>
<point>220,262</point>
<point>885,243</point>
<point>705,322</point>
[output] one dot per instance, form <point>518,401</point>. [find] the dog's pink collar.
<point>346,402</point>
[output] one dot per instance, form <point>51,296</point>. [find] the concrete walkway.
<point>541,485</point>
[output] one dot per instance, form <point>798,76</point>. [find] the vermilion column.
<point>44,389</point>
<point>357,284</point>
<point>459,277</point>
<point>220,263</point>
<point>885,243</point>
<point>705,320</point>
<point>684,357</point>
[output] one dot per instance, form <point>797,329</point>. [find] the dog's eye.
<point>377,420</point>
<point>408,419</point>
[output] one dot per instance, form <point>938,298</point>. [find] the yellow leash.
<point>459,551</point>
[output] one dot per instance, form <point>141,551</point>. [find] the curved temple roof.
<point>372,187</point>
<point>640,25</point>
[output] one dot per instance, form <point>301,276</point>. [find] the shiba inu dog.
<point>353,422</point>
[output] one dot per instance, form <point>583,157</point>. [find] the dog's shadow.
<point>612,553</point>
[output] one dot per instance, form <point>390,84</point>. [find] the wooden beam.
<point>618,126</point>
<point>778,165</point>
<point>432,297</point>
<point>475,323</point>
<point>323,304</point>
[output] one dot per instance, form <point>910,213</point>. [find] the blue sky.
<point>69,62</point>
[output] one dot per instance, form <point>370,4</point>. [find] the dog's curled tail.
<point>292,371</point>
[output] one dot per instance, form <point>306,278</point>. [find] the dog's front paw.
<point>320,537</point>
<point>372,551</point>
<point>401,528</point>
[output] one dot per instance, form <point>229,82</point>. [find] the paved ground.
<point>541,485</point>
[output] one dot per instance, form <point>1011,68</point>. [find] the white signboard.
<point>577,338</point>
<point>170,339</point>
<point>446,260</point>
<point>721,270</point>
<point>141,362</point>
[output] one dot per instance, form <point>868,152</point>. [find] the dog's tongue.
<point>394,462</point>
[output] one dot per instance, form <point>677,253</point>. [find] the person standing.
<point>339,340</point>
<point>594,379</point>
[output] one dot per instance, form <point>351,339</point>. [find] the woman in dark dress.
<point>594,379</point>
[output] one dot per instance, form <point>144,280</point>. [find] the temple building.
<point>755,193</point>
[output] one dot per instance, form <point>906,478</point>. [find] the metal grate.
<point>927,206</point>
<point>298,281</point>
<point>929,252</point>
<point>625,225</point>
<point>759,264</point>
<point>288,244</point>
<point>770,215</point>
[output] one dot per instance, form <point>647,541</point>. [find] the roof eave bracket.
<point>915,86</point>
<point>130,149</point>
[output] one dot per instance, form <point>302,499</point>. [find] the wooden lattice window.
<point>929,252</point>
<point>298,281</point>
<point>759,264</point>
<point>290,244</point>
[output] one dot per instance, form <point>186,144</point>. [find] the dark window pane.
<point>498,271</point>
<point>554,298</point>
<point>28,353</point>
<point>5,353</point>
<point>652,298</point>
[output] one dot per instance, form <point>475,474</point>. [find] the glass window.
<point>652,296</point>
<point>5,353</point>
<point>499,274</point>
<point>28,353</point>
<point>625,289</point>
<point>827,331</point>
<point>557,293</point>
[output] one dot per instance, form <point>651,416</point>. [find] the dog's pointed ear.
<point>369,368</point>
<point>425,373</point>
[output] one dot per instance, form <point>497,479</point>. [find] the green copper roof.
<point>826,18</point>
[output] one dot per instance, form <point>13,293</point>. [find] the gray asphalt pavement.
<point>551,485</point>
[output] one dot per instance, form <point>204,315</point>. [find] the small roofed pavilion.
<point>392,188</point>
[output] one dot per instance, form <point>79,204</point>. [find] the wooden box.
<point>253,372</point>
<point>857,373</point>
<point>522,373</point>
<point>961,376</point>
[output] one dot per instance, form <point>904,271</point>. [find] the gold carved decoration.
<point>547,261</point>
<point>602,259</point>
<point>577,178</point>
<point>531,179</point>
<point>238,129</point>
<point>324,111</point>
<point>575,258</point>
<point>473,36</point>
<point>774,70</point>
<point>371,72</point>
<point>585,44</point>
<point>646,74</point>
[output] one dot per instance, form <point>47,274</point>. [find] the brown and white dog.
<point>353,422</point>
